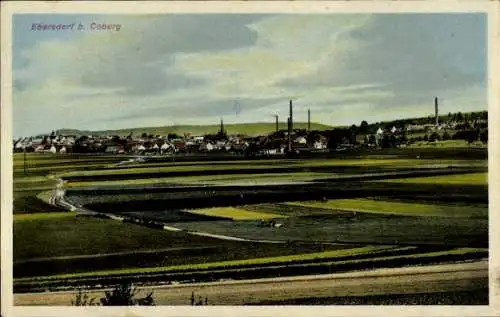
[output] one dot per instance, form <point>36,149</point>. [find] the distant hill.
<point>251,129</point>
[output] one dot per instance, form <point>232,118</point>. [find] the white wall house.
<point>207,147</point>
<point>301,140</point>
<point>318,145</point>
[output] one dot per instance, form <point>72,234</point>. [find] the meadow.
<point>252,129</point>
<point>462,179</point>
<point>397,208</point>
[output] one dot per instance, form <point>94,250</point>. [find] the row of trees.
<point>470,136</point>
<point>466,117</point>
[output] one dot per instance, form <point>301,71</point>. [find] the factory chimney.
<point>290,127</point>
<point>308,120</point>
<point>436,110</point>
<point>277,123</point>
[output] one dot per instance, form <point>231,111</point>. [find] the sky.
<point>180,69</point>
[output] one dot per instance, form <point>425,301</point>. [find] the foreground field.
<point>36,175</point>
<point>409,221</point>
<point>397,208</point>
<point>66,234</point>
<point>449,280</point>
<point>64,242</point>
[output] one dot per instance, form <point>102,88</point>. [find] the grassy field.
<point>326,258</point>
<point>169,167</point>
<point>447,144</point>
<point>206,179</point>
<point>76,245</point>
<point>396,208</point>
<point>460,179</point>
<point>252,129</point>
<point>236,263</point>
<point>61,242</point>
<point>235,213</point>
<point>31,188</point>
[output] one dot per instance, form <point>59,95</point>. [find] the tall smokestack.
<point>308,120</point>
<point>291,114</point>
<point>277,123</point>
<point>436,110</point>
<point>289,135</point>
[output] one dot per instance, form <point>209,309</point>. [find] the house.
<point>114,149</point>
<point>138,148</point>
<point>39,148</point>
<point>206,147</point>
<point>155,148</point>
<point>198,139</point>
<point>179,146</point>
<point>319,145</point>
<point>301,140</point>
<point>220,145</point>
<point>166,147</point>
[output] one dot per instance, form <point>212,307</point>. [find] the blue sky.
<point>193,69</point>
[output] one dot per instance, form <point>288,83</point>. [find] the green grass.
<point>45,196</point>
<point>234,263</point>
<point>41,217</point>
<point>19,162</point>
<point>447,144</point>
<point>457,179</point>
<point>32,190</point>
<point>60,168</point>
<point>30,179</point>
<point>281,260</point>
<point>235,213</point>
<point>300,165</point>
<point>207,178</point>
<point>396,208</point>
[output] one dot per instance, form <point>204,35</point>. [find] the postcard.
<point>249,158</point>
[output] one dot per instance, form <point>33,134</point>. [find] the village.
<point>399,133</point>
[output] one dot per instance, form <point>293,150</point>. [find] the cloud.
<point>165,69</point>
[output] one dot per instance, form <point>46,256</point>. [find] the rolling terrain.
<point>186,221</point>
<point>250,129</point>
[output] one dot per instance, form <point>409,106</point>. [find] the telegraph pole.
<point>24,159</point>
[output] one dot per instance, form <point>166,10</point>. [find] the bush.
<point>446,136</point>
<point>121,295</point>
<point>434,137</point>
<point>484,136</point>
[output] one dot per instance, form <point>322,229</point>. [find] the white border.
<point>156,7</point>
